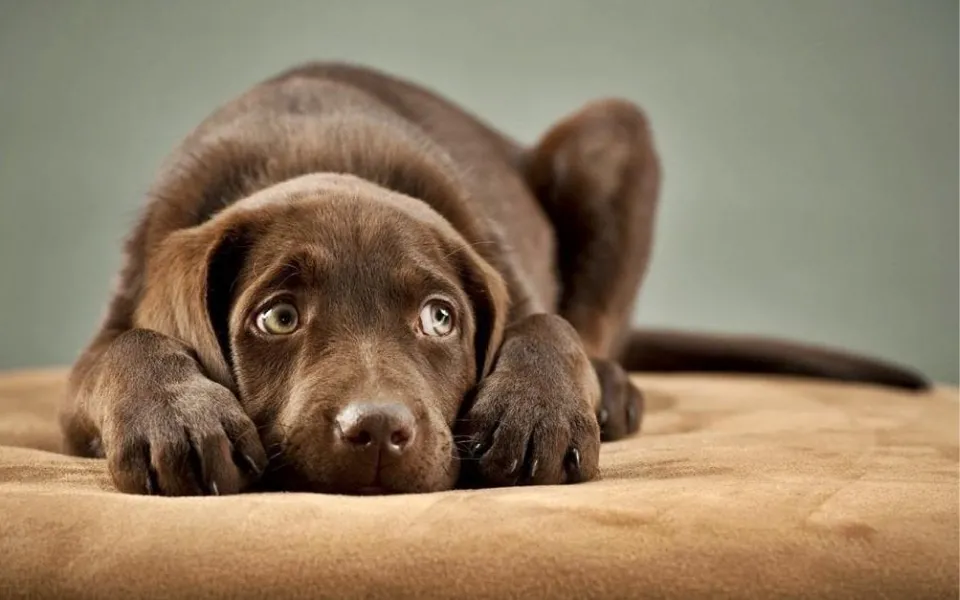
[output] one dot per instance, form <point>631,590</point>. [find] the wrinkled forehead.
<point>338,230</point>
<point>352,246</point>
<point>335,211</point>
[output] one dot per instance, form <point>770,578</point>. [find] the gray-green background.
<point>810,146</point>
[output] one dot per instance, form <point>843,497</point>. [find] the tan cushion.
<point>739,487</point>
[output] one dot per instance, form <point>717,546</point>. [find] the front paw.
<point>533,419</point>
<point>620,412</point>
<point>182,439</point>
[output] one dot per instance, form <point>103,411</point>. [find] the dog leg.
<point>140,399</point>
<point>532,421</point>
<point>597,175</point>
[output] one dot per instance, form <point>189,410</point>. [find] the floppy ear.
<point>488,296</point>
<point>189,292</point>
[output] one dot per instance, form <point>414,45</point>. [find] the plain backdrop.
<point>810,146</point>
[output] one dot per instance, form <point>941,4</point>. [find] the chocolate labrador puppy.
<point>343,283</point>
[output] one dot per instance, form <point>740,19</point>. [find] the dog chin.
<point>286,480</point>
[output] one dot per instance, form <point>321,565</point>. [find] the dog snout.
<point>390,427</point>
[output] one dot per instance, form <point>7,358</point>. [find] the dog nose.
<point>390,427</point>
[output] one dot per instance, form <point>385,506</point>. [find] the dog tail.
<point>665,351</point>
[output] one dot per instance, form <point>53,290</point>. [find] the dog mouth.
<point>374,488</point>
<point>303,463</point>
<point>291,477</point>
<point>292,481</point>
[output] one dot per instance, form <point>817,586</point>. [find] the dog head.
<point>349,320</point>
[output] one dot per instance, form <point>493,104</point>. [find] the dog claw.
<point>153,488</point>
<point>572,463</point>
<point>252,465</point>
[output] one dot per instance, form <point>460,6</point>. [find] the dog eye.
<point>436,318</point>
<point>279,319</point>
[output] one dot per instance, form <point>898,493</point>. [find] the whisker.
<point>274,467</point>
<point>245,434</point>
<point>469,245</point>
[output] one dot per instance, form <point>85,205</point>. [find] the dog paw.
<point>532,420</point>
<point>620,411</point>
<point>182,439</point>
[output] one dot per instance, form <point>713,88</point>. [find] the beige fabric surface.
<point>738,488</point>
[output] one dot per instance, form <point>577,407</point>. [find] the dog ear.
<point>190,289</point>
<point>490,301</point>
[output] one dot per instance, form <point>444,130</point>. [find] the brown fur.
<point>359,199</point>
